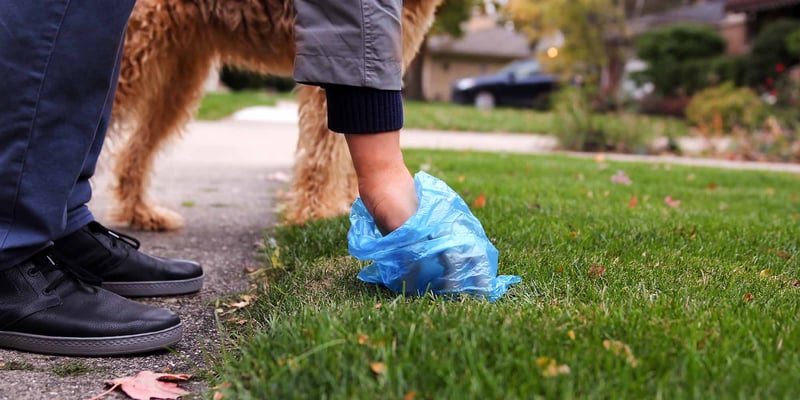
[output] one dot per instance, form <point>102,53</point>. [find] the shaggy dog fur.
<point>171,47</point>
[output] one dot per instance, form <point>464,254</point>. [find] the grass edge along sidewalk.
<point>681,284</point>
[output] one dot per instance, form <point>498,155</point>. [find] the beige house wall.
<point>439,72</point>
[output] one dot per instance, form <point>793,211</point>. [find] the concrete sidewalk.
<point>218,177</point>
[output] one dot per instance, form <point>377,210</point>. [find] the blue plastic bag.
<point>442,248</point>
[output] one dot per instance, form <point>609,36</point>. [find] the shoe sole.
<point>155,288</point>
<point>99,346</point>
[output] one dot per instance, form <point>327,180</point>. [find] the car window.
<point>525,70</point>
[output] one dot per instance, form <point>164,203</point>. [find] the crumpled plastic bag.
<point>442,248</point>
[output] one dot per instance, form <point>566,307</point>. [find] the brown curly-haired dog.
<point>171,47</point>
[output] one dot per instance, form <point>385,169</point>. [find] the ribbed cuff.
<point>354,109</point>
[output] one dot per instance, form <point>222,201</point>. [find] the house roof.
<point>758,5</point>
<point>708,12</point>
<point>495,41</point>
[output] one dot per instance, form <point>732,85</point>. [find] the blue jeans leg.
<point>57,72</point>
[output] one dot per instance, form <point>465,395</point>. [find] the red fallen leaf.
<point>711,186</point>
<point>747,297</point>
<point>480,202</point>
<point>633,201</point>
<point>672,202</point>
<point>147,384</point>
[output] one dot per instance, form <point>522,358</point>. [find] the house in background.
<point>758,13</point>
<point>731,26</point>
<point>485,48</point>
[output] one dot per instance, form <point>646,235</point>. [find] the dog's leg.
<point>324,182</point>
<point>162,77</point>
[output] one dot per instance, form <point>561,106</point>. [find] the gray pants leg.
<point>349,42</point>
<point>353,49</point>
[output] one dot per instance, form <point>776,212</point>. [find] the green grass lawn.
<point>218,105</point>
<point>445,116</point>
<point>651,301</point>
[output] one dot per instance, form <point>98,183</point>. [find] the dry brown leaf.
<point>410,395</point>
<point>597,271</point>
<point>550,368</point>
<point>362,339</point>
<point>711,186</point>
<point>622,350</point>
<point>747,297</point>
<point>147,384</point>
<point>784,255</point>
<point>480,202</point>
<point>378,368</point>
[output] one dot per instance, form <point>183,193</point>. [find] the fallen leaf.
<point>571,334</point>
<point>784,255</point>
<point>147,384</point>
<point>711,186</point>
<point>765,273</point>
<point>622,350</point>
<point>378,368</point>
<point>218,396</point>
<point>362,339</point>
<point>634,200</point>
<point>480,202</point>
<point>410,395</point>
<point>250,270</point>
<point>621,178</point>
<point>461,178</point>
<point>747,297</point>
<point>672,202</point>
<point>597,271</point>
<point>796,283</point>
<point>550,368</point>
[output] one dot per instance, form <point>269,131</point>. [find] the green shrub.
<point>770,49</point>
<point>721,109</point>
<point>793,43</point>
<point>669,53</point>
<point>575,125</point>
<point>579,127</point>
<point>238,80</point>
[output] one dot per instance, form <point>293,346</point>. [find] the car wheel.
<point>484,100</point>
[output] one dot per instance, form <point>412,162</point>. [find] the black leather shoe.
<point>115,260</point>
<point>45,308</point>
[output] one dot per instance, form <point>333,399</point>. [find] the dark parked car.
<point>520,84</point>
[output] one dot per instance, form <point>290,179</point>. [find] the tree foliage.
<point>594,32</point>
<point>679,57</point>
<point>450,16</point>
